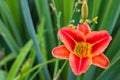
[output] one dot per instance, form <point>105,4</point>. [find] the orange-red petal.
<point>61,52</point>
<point>101,61</point>
<point>84,28</point>
<point>100,40</point>
<point>96,36</point>
<point>70,36</point>
<point>100,46</point>
<point>79,65</point>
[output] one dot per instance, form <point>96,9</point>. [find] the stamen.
<point>82,49</point>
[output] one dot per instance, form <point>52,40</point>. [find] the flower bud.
<point>84,10</point>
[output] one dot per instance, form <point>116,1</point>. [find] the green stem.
<point>58,27</point>
<point>74,10</point>
<point>80,77</point>
<point>60,70</point>
<point>56,67</point>
<point>54,6</point>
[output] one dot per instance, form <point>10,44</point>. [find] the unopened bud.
<point>84,10</point>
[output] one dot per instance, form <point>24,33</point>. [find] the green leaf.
<point>41,37</point>
<point>94,7</point>
<point>90,73</point>
<point>110,17</point>
<point>67,10</point>
<point>16,13</point>
<point>43,11</point>
<point>7,59</point>
<point>3,75</point>
<point>4,7</point>
<point>8,38</point>
<point>18,62</point>
<point>39,66</point>
<point>114,46</point>
<point>110,73</point>
<point>117,55</point>
<point>30,26</point>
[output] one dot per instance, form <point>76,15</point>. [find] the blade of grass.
<point>33,76</point>
<point>101,12</point>
<point>3,75</point>
<point>7,59</point>
<point>58,4</point>
<point>56,68</point>
<point>57,20</point>
<point>96,7</point>
<point>41,38</point>
<point>110,17</point>
<point>21,57</point>
<point>117,55</point>
<point>32,57</point>
<point>60,70</point>
<point>67,10</point>
<point>5,8</point>
<point>114,46</point>
<point>8,38</point>
<point>16,13</point>
<point>90,8</point>
<point>71,76</point>
<point>43,10</point>
<point>110,73</point>
<point>95,11</point>
<point>39,66</point>
<point>30,27</point>
<point>90,73</point>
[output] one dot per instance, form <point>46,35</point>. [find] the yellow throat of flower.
<point>83,49</point>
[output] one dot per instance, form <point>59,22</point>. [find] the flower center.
<point>83,49</point>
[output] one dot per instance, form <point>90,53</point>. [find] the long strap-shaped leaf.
<point>8,38</point>
<point>21,57</point>
<point>112,73</point>
<point>30,27</point>
<point>7,13</point>
<point>43,11</point>
<point>111,14</point>
<point>114,46</point>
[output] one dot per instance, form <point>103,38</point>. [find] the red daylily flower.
<point>83,47</point>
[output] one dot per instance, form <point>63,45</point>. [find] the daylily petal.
<point>96,36</point>
<point>101,61</point>
<point>101,46</point>
<point>70,36</point>
<point>79,65</point>
<point>84,28</point>
<point>61,52</point>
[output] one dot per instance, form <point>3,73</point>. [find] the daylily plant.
<point>83,47</point>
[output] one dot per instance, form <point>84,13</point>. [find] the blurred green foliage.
<point>28,32</point>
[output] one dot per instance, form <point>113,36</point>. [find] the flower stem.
<point>60,70</point>
<point>56,67</point>
<point>80,77</point>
